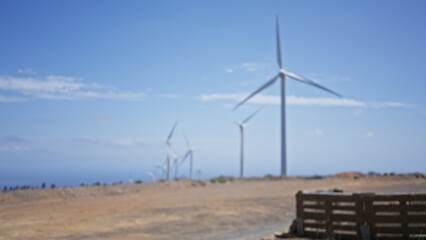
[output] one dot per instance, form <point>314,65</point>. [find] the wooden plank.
<point>417,202</point>
<point>393,207</point>
<point>417,230</point>
<point>345,208</point>
<point>312,203</point>
<point>416,208</point>
<point>345,227</point>
<point>388,230</point>
<point>384,219</point>
<point>396,197</point>
<point>386,208</point>
<point>317,208</point>
<point>314,234</point>
<point>315,225</point>
<point>390,237</point>
<point>343,218</point>
<point>345,236</point>
<point>332,198</point>
<point>416,218</point>
<point>344,212</point>
<point>315,216</point>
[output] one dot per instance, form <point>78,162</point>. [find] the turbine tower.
<point>170,153</point>
<point>190,154</point>
<point>283,75</point>
<point>242,125</point>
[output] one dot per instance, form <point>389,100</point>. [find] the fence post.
<point>403,215</point>
<point>362,212</point>
<point>359,213</point>
<point>368,213</point>
<point>299,214</point>
<point>328,223</point>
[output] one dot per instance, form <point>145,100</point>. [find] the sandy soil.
<point>246,209</point>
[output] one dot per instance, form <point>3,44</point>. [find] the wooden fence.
<point>365,216</point>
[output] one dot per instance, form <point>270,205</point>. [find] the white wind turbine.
<point>190,154</point>
<point>163,169</point>
<point>170,154</point>
<point>242,125</point>
<point>152,176</point>
<point>283,75</point>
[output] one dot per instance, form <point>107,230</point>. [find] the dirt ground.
<point>245,209</point>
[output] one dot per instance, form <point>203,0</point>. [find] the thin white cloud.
<point>170,96</point>
<point>369,135</point>
<point>229,70</point>
<point>60,88</point>
<point>357,112</point>
<point>314,132</point>
<point>265,99</point>
<point>10,99</point>
<point>27,71</point>
<point>123,142</point>
<point>99,120</point>
<point>248,66</point>
<point>327,77</point>
<point>390,104</point>
<point>5,149</point>
<point>291,100</point>
<point>324,102</point>
<point>49,84</point>
<point>13,139</point>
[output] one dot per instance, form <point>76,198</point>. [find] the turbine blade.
<point>171,132</point>
<point>252,115</point>
<point>184,157</point>
<point>234,122</point>
<point>310,82</point>
<point>267,84</point>
<point>279,59</point>
<point>186,140</point>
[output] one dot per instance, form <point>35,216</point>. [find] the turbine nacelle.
<point>283,74</point>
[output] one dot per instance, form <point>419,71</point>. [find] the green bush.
<point>222,179</point>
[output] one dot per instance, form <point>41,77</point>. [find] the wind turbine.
<point>283,75</point>
<point>190,154</point>
<point>242,125</point>
<point>170,153</point>
<point>152,175</point>
<point>162,168</point>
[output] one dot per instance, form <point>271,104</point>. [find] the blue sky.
<point>89,90</point>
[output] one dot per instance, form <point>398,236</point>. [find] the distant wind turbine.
<point>152,176</point>
<point>242,125</point>
<point>283,75</point>
<point>170,153</point>
<point>190,154</point>
<point>163,169</point>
